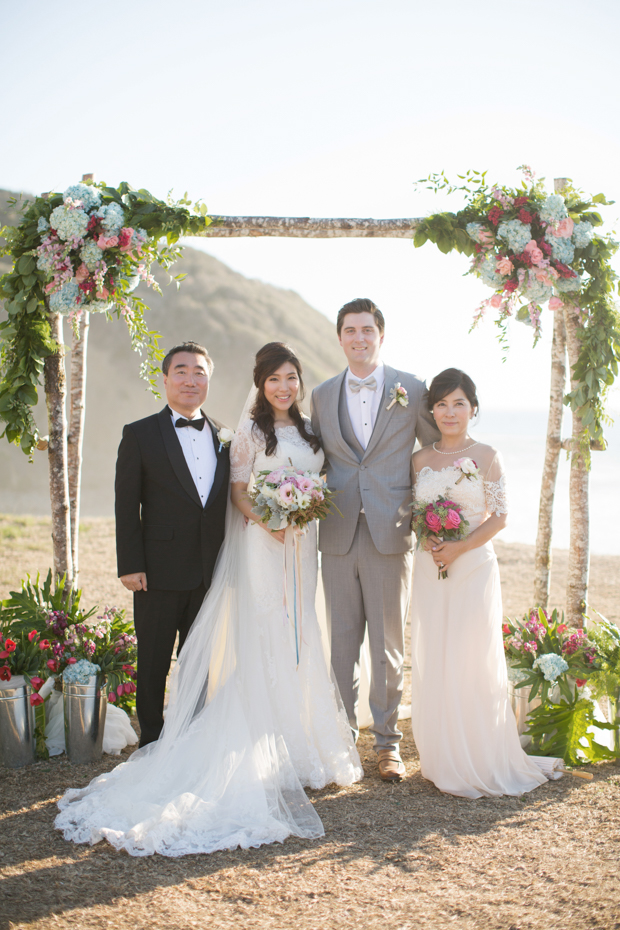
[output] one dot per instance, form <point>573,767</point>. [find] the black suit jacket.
<point>161,526</point>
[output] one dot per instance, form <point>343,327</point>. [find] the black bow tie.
<point>198,423</point>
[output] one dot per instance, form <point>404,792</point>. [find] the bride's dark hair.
<point>268,360</point>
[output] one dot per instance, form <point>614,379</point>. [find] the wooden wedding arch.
<point>64,444</point>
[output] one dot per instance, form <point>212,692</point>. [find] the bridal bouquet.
<point>289,497</point>
<point>442,518</point>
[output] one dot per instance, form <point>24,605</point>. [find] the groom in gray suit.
<point>367,557</point>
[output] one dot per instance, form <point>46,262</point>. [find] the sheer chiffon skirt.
<point>462,721</point>
<point>245,728</point>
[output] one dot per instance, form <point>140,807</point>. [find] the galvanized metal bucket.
<point>85,707</point>
<point>17,723</point>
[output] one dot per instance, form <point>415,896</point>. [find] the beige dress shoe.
<point>391,766</point>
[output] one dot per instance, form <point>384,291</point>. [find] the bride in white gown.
<point>462,721</point>
<point>245,729</point>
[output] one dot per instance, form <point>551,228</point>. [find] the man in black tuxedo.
<point>171,494</point>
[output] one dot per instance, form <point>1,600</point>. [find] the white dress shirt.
<point>199,453</point>
<point>364,406</point>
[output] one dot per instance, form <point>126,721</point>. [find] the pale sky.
<point>329,108</point>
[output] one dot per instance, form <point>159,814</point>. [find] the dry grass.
<point>401,856</point>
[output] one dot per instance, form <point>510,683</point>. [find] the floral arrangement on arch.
<point>523,250</point>
<point>86,249</point>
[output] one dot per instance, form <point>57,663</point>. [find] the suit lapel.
<point>220,468</point>
<point>334,417</point>
<point>383,414</point>
<point>175,454</point>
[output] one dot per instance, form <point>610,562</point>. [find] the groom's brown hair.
<point>360,305</point>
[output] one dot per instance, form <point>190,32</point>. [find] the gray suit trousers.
<point>365,587</point>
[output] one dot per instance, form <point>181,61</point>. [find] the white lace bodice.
<point>479,497</point>
<point>247,452</point>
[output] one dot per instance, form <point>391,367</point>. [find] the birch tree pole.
<point>55,395</point>
<point>579,551</point>
<point>542,560</point>
<point>75,436</point>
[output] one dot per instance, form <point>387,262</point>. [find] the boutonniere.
<point>468,468</point>
<point>399,396</point>
<point>225,437</point>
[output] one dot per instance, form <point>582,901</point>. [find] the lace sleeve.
<point>495,492</point>
<point>243,449</point>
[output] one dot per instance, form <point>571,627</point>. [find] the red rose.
<point>495,214</point>
<point>525,217</point>
<point>10,645</point>
<point>433,521</point>
<point>71,660</point>
<point>44,644</point>
<point>5,673</point>
<point>511,285</point>
<point>37,683</point>
<point>36,699</point>
<point>32,635</point>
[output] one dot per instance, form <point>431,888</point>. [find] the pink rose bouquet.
<point>443,518</point>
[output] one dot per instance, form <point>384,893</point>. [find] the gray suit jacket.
<point>377,479</point>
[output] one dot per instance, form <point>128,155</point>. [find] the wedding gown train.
<point>245,729</point>
<point>462,721</point>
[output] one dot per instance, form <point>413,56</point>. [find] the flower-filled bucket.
<point>17,723</point>
<point>85,702</point>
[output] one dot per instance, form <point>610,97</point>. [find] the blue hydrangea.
<point>515,675</point>
<point>100,306</point>
<point>582,235</point>
<point>551,665</point>
<point>91,254</point>
<point>566,285</point>
<point>489,275</point>
<point>42,225</point>
<point>516,233</point>
<point>69,224</point>
<point>80,672</point>
<point>45,263</point>
<point>473,231</point>
<point>537,291</point>
<point>553,209</point>
<point>562,250</point>
<point>90,196</point>
<point>112,218</point>
<point>68,298</point>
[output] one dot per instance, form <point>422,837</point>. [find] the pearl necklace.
<point>455,451</point>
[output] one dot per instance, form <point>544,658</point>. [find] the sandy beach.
<point>403,856</point>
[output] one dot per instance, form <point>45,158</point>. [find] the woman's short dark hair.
<point>268,359</point>
<point>360,305</point>
<point>451,380</point>
<point>195,348</point>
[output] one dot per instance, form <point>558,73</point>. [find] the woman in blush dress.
<point>248,726</point>
<point>462,721</point>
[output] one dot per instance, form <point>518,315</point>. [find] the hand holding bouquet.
<point>442,518</point>
<point>290,497</point>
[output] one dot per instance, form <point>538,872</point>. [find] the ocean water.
<point>520,437</point>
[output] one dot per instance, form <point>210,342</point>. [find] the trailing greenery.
<point>599,330</point>
<point>606,681</point>
<point>25,336</point>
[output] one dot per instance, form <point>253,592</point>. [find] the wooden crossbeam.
<point>305,227</point>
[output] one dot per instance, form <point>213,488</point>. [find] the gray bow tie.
<point>356,386</point>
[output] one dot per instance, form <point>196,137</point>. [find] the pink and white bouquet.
<point>290,497</point>
<point>442,518</point>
